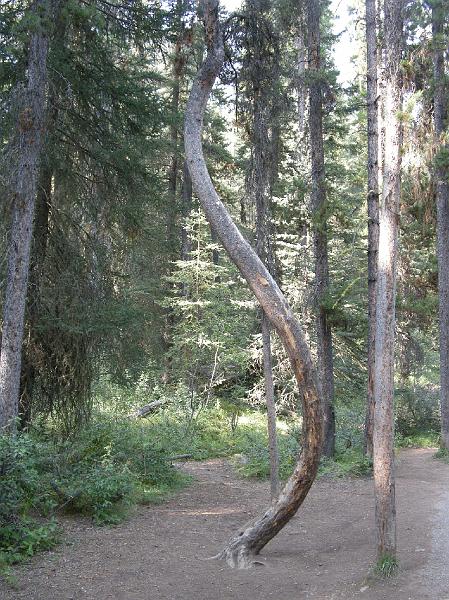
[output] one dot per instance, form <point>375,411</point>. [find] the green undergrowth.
<point>348,463</point>
<point>116,463</point>
<point>386,566</point>
<point>418,439</point>
<point>101,473</point>
<point>442,454</point>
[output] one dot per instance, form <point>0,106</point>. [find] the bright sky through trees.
<point>343,26</point>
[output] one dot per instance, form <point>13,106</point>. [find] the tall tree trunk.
<point>38,252</point>
<point>439,19</point>
<point>300,79</point>
<point>373,210</point>
<point>318,206</point>
<point>179,65</point>
<point>261,179</point>
<point>186,208</point>
<point>383,446</point>
<point>41,225</point>
<point>271,408</point>
<point>251,539</point>
<point>174,139</point>
<point>30,135</point>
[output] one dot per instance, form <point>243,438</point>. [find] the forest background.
<point>132,302</point>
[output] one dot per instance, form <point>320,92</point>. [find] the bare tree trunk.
<point>38,252</point>
<point>253,537</point>
<point>373,211</point>
<point>186,207</point>
<point>30,136</point>
<point>215,252</point>
<point>439,18</point>
<point>174,139</point>
<point>301,84</point>
<point>261,179</point>
<point>318,206</point>
<point>271,409</point>
<point>179,65</point>
<point>383,446</point>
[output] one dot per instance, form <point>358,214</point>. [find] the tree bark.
<point>373,210</point>
<point>439,18</point>
<point>318,206</point>
<point>37,258</point>
<point>271,409</point>
<point>383,439</point>
<point>262,176</point>
<point>253,537</point>
<point>30,136</point>
<point>186,208</point>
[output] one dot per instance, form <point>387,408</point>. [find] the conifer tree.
<point>27,146</point>
<point>383,438</point>
<point>440,15</point>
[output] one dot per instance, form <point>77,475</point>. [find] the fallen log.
<point>145,410</point>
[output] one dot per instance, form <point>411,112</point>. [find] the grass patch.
<point>386,566</point>
<point>442,454</point>
<point>418,439</point>
<point>351,463</point>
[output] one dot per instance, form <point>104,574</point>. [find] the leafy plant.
<point>386,566</point>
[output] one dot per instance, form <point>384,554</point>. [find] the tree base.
<point>238,556</point>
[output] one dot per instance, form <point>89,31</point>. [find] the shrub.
<point>254,460</point>
<point>101,472</point>
<point>21,491</point>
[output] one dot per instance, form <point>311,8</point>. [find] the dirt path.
<point>323,554</point>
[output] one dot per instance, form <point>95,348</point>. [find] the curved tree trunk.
<point>254,536</point>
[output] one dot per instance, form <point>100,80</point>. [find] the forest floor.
<point>324,553</point>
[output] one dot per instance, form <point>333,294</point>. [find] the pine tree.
<point>27,146</point>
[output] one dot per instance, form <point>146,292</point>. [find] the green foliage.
<point>20,494</point>
<point>213,317</point>
<point>100,472</point>
<point>386,566</point>
<point>442,454</point>
<point>417,410</point>
<point>351,463</point>
<point>254,461</point>
<point>418,439</point>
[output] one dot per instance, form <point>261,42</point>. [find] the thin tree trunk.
<point>260,183</point>
<point>215,252</point>
<point>439,18</point>
<point>373,211</point>
<point>301,85</point>
<point>186,208</point>
<point>30,136</point>
<point>253,537</point>
<point>318,206</point>
<point>38,252</point>
<point>271,409</point>
<point>383,446</point>
<point>174,140</point>
<point>179,65</point>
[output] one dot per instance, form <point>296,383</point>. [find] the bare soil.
<point>324,553</point>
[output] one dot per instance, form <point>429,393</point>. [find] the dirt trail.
<point>323,554</point>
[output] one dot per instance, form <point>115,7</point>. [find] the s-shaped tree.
<point>249,540</point>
